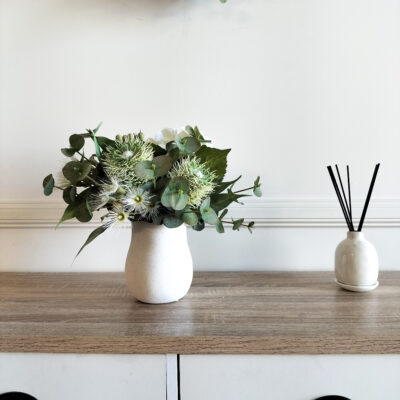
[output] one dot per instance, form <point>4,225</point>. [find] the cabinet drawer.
<point>263,377</point>
<point>84,377</point>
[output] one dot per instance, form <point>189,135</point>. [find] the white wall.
<point>291,86</point>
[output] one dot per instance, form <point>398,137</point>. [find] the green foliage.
<point>207,213</point>
<point>237,224</point>
<point>257,191</point>
<point>68,152</point>
<point>199,226</point>
<point>225,185</point>
<point>98,231</point>
<point>215,160</point>
<point>48,185</point>
<point>222,200</point>
<point>136,180</point>
<point>175,195</point>
<point>76,171</point>
<point>76,142</point>
<point>148,170</point>
<point>190,218</point>
<point>172,221</point>
<point>69,194</point>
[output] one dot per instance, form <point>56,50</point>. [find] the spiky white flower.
<point>121,159</point>
<point>200,178</point>
<point>116,217</point>
<point>167,135</point>
<point>137,200</point>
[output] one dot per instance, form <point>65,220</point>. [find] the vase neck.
<point>355,235</point>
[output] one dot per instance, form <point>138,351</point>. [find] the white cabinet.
<point>267,377</point>
<point>84,377</point>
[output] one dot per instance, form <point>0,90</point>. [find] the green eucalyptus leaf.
<point>199,226</point>
<point>68,152</point>
<point>48,185</point>
<point>223,214</point>
<point>215,160</point>
<point>172,221</point>
<point>257,191</point>
<point>83,212</point>
<point>161,165</point>
<point>95,130</point>
<point>104,142</point>
<point>98,231</point>
<point>190,218</point>
<point>178,201</point>
<point>188,145</point>
<point>69,194</point>
<point>145,170</point>
<point>225,185</point>
<point>219,227</point>
<point>76,142</point>
<point>207,213</point>
<point>69,213</point>
<point>237,224</point>
<point>250,226</point>
<point>223,200</point>
<point>76,171</point>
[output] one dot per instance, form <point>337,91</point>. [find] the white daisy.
<point>117,217</point>
<point>137,200</point>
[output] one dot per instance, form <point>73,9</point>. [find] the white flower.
<point>104,195</point>
<point>61,181</point>
<point>137,200</point>
<point>168,134</point>
<point>117,217</point>
<point>152,210</point>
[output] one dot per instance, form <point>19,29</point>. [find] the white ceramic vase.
<point>159,266</point>
<point>356,263</point>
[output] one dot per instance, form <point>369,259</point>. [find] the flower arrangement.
<point>175,179</point>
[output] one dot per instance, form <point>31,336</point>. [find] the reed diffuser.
<point>356,259</point>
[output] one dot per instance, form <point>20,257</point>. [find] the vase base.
<point>358,288</point>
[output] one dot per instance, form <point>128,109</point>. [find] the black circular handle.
<point>16,396</point>
<point>333,398</point>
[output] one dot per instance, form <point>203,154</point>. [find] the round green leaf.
<point>145,170</point>
<point>219,227</point>
<point>161,165</point>
<point>69,194</point>
<point>172,221</point>
<point>199,226</point>
<point>76,142</point>
<point>68,152</point>
<point>178,201</point>
<point>76,171</point>
<point>48,185</point>
<point>190,218</point>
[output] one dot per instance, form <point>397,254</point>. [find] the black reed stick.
<point>349,191</point>
<point>344,197</point>
<point>371,188</point>
<point>339,196</point>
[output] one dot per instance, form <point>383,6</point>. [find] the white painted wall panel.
<point>84,377</point>
<point>228,377</point>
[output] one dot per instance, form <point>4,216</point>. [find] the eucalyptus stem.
<point>92,180</point>
<point>93,162</point>
<point>230,222</point>
<point>244,190</point>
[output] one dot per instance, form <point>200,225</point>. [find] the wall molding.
<point>267,213</point>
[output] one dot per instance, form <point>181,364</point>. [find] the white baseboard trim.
<point>267,213</point>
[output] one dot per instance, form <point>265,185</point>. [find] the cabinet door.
<point>84,377</point>
<point>229,377</point>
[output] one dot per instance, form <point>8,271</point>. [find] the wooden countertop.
<point>231,313</point>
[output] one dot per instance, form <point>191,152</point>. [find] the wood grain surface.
<point>224,313</point>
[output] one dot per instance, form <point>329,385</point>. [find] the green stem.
<point>93,181</point>
<point>244,190</point>
<point>230,222</point>
<point>93,162</point>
